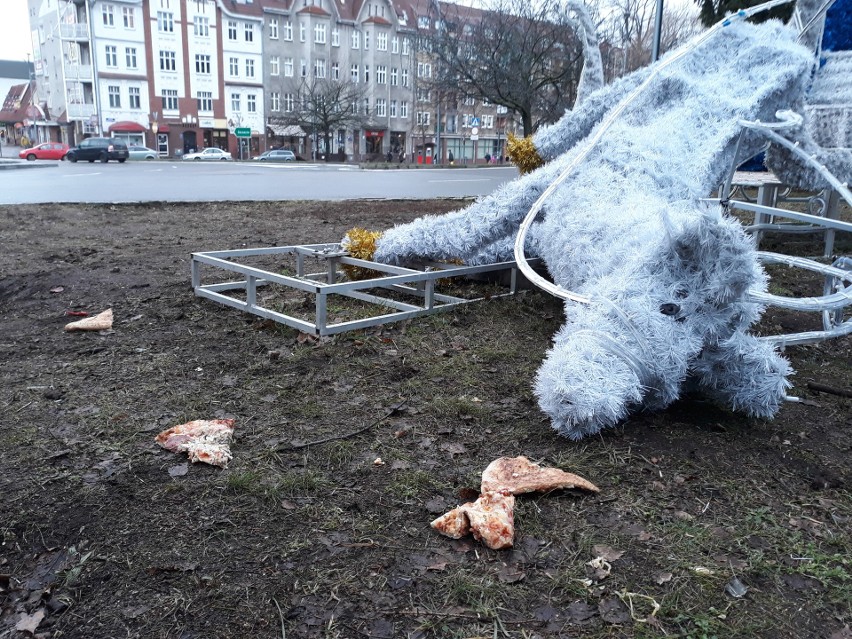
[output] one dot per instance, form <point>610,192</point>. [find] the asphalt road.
<point>213,181</point>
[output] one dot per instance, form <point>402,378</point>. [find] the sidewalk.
<point>9,151</point>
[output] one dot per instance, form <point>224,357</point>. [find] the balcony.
<point>75,31</point>
<point>80,111</point>
<point>79,72</point>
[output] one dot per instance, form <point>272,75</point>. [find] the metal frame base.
<point>392,285</point>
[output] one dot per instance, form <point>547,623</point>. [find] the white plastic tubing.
<point>520,240</point>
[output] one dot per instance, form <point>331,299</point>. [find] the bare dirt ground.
<point>707,524</point>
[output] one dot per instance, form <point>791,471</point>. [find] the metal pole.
<point>658,29</point>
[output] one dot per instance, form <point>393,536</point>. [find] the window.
<point>501,110</point>
<point>127,16</point>
<point>381,107</point>
<point>232,29</point>
<point>274,65</point>
<point>470,101</point>
<point>201,26</point>
<point>319,68</point>
<point>302,31</point>
<point>164,4</point>
<point>288,31</point>
<point>466,120</point>
<point>251,103</point>
<point>335,37</point>
<point>353,73</point>
<point>406,46</point>
<point>170,100</point>
<point>135,97</point>
<point>356,40</point>
<point>288,67</point>
<point>394,45</point>
<point>111,55</point>
<point>202,64</point>
<point>114,93</point>
<point>366,73</point>
<point>366,40</point>
<point>107,13</point>
<point>451,124</point>
<point>486,102</point>
<point>405,77</point>
<point>249,31</point>
<point>319,34</point>
<point>249,68</point>
<point>366,106</point>
<point>394,77</point>
<point>205,100</point>
<point>304,68</point>
<point>381,74</point>
<point>335,71</point>
<point>235,102</point>
<point>403,109</point>
<point>167,61</point>
<point>201,6</point>
<point>289,99</point>
<point>273,30</point>
<point>423,23</point>
<point>234,67</point>
<point>393,108</point>
<point>165,22</point>
<point>423,95</point>
<point>274,101</point>
<point>424,70</point>
<point>381,42</point>
<point>487,121</point>
<point>422,118</point>
<point>130,57</point>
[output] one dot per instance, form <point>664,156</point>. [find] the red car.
<point>45,151</point>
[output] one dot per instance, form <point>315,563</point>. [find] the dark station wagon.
<point>102,149</point>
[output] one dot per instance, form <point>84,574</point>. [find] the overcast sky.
<point>14,30</point>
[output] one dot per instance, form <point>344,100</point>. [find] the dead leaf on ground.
<point>510,574</point>
<point>663,577</point>
<point>438,566</point>
<point>607,553</point>
<point>29,623</point>
<point>614,611</point>
<point>179,470</point>
<point>453,448</point>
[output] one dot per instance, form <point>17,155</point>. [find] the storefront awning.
<point>126,126</point>
<point>287,131</point>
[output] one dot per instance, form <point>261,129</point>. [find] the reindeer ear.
<point>717,256</point>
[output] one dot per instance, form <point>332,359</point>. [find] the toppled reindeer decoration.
<point>656,280</point>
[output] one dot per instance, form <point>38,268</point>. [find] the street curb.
<point>10,165</point>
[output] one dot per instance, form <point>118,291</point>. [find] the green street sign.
<point>242,132</point>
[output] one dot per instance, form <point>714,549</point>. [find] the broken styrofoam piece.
<point>204,440</point>
<point>517,475</point>
<point>491,518</point>
<point>99,322</point>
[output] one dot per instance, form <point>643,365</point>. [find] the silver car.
<point>209,154</point>
<point>277,155</point>
<point>141,152</point>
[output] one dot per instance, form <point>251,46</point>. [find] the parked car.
<point>141,152</point>
<point>209,154</point>
<point>103,149</point>
<point>277,155</point>
<point>45,151</point>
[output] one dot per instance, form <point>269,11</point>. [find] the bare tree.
<point>519,54</point>
<point>626,28</point>
<point>322,106</point>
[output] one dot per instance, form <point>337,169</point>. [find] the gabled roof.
<point>377,20</point>
<point>15,105</point>
<point>314,10</point>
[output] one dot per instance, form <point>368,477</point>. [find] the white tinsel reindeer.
<point>656,280</point>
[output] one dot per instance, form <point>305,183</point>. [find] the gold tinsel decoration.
<point>360,243</point>
<point>522,153</point>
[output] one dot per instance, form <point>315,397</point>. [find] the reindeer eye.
<point>669,309</point>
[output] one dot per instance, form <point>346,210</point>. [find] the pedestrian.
<point>450,157</point>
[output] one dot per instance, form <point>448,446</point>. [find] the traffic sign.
<point>474,131</point>
<point>474,122</point>
<point>244,132</point>
<point>474,138</point>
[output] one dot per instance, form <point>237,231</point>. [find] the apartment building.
<point>367,44</point>
<point>449,127</point>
